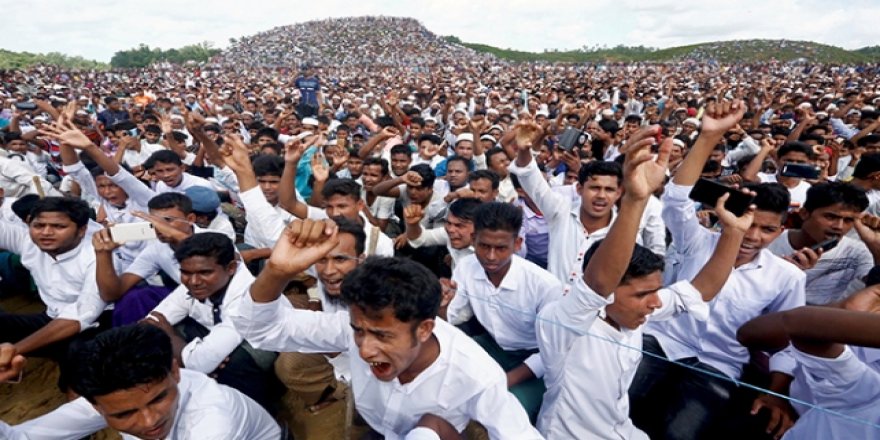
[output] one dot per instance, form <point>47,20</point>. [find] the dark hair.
<point>492,152</point>
<point>497,216</point>
<point>400,149</point>
<point>812,137</point>
<point>795,147</point>
<point>171,200</point>
<point>417,120</point>
<point>164,156</point>
<point>277,147</point>
<point>267,131</point>
<point>711,166</point>
<point>770,197</point>
<point>490,175</point>
<point>384,121</point>
<point>869,139</point>
<point>323,120</point>
<point>432,138</point>
<point>268,165</point>
<point>468,163</point>
<point>382,163</point>
<point>410,289</point>
<point>831,193</point>
<point>341,187</point>
<point>120,359</point>
<point>424,170</point>
<point>77,209</point>
<point>22,207</point>
<point>643,262</point>
<point>600,168</point>
<point>868,164</point>
<point>346,226</point>
<point>154,129</point>
<point>466,208</point>
<point>207,244</point>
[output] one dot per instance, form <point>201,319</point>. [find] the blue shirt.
<point>309,88</point>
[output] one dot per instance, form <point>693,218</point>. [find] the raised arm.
<point>715,272</point>
<point>287,199</point>
<point>642,176</point>
<point>717,119</point>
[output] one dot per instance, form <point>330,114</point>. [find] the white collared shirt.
<point>66,283</point>
<point>461,385</point>
<point>766,284</point>
<point>507,312</point>
<point>569,241</point>
<point>590,364</point>
<point>205,354</point>
<point>188,180</point>
<point>158,256</point>
<point>265,223</point>
<point>206,410</point>
<point>846,384</point>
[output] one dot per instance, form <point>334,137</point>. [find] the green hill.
<point>18,60</point>
<point>722,51</point>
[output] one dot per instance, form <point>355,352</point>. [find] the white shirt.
<point>828,280</point>
<point>798,193</point>
<point>186,181</point>
<point>139,196</point>
<point>462,384</point>
<point>766,284</point>
<point>265,223</point>
<point>66,283</point>
<point>223,225</point>
<point>846,384</point>
<point>590,364</point>
<point>137,158</point>
<point>206,354</point>
<point>382,207</point>
<point>206,411</point>
<point>16,179</point>
<point>507,312</point>
<point>569,241</point>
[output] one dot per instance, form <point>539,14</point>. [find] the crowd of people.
<point>474,250</point>
<point>349,42</point>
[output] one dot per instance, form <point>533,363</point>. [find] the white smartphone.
<point>125,232</point>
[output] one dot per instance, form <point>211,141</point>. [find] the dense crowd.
<point>359,249</point>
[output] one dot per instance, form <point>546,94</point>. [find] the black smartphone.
<point>27,105</point>
<point>708,192</point>
<point>826,245</point>
<point>802,171</point>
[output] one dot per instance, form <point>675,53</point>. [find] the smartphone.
<point>707,192</point>
<point>802,171</point>
<point>826,245</point>
<point>125,232</point>
<point>28,105</point>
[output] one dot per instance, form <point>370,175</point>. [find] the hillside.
<point>18,60</point>
<point>350,41</point>
<point>722,51</point>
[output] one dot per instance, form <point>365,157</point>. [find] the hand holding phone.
<point>125,232</point>
<point>707,193</point>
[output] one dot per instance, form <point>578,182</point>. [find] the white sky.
<point>96,29</point>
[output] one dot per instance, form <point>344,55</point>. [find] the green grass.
<point>727,51</point>
<point>20,60</point>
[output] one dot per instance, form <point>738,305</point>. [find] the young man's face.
<point>55,232</point>
<point>372,175</point>
<point>482,188</point>
<point>829,222</point>
<point>180,221</point>
<point>269,186</point>
<point>598,195</point>
<point>635,299</point>
<point>355,167</point>
<point>495,249</point>
<point>171,174</point>
<point>145,411</point>
<point>204,277</point>
<point>343,205</point>
<point>499,163</point>
<point>17,146</point>
<point>465,149</point>
<point>109,191</point>
<point>766,226</point>
<point>151,137</point>
<point>419,195</point>
<point>460,231</point>
<point>400,163</point>
<point>335,266</point>
<point>391,347</point>
<point>456,174</point>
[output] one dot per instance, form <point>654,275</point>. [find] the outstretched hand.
<point>643,174</point>
<point>64,132</point>
<point>235,153</point>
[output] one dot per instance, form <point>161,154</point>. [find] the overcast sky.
<point>97,28</point>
